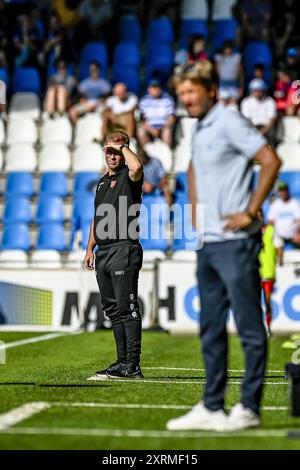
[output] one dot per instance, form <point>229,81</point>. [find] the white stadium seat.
<point>55,157</point>
<point>182,156</point>
<point>45,259</point>
<point>291,256</point>
<point>162,152</point>
<point>24,105</point>
<point>13,259</point>
<point>291,129</point>
<point>2,132</point>
<point>75,259</point>
<point>185,255</point>
<point>149,256</point>
<point>290,156</point>
<point>21,157</point>
<point>88,128</point>
<point>56,131</point>
<point>21,131</point>
<point>88,157</point>
<point>187,125</point>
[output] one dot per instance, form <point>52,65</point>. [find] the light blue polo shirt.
<point>223,146</point>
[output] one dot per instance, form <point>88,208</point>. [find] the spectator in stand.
<point>54,42</point>
<point>260,109</point>
<point>283,91</point>
<point>169,8</point>
<point>291,63</point>
<point>93,90</point>
<point>223,9</point>
<point>255,19</point>
<point>195,51</point>
<point>27,41</point>
<point>285,25</point>
<point>229,98</point>
<point>67,11</point>
<point>155,179</point>
<point>157,112</point>
<point>229,67</point>
<point>3,34</point>
<point>95,18</point>
<point>284,214</point>
<point>119,111</point>
<point>194,10</point>
<point>61,87</point>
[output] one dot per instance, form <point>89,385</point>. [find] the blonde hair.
<point>202,73</point>
<point>119,137</point>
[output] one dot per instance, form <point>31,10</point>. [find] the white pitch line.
<point>203,370</point>
<point>16,415</point>
<point>173,382</point>
<point>36,339</point>
<point>143,406</point>
<point>137,433</point>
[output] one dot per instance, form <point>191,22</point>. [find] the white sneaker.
<point>241,417</point>
<point>200,417</point>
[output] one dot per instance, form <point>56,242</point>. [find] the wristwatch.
<point>124,145</point>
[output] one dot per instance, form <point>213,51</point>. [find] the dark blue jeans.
<point>228,277</point>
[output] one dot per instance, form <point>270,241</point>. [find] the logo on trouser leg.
<point>119,273</point>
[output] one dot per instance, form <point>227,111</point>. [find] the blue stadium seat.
<point>84,181</point>
<point>184,234</point>
<point>54,183</point>
<point>257,52</point>
<point>292,178</point>
<point>130,29</point>
<point>83,211</point>
<point>160,30</point>
<point>16,237</point>
<point>51,237</point>
<point>20,184</point>
<point>222,31</point>
<point>181,188</point>
<point>50,210</point>
<point>17,210</point>
<point>190,28</point>
<point>26,79</point>
<point>4,77</point>
<point>94,51</point>
<point>127,54</point>
<point>130,77</point>
<point>85,230</point>
<point>160,61</point>
<point>153,223</point>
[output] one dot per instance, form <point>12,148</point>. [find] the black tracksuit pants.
<point>117,268</point>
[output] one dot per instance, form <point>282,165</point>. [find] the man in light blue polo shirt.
<point>224,146</point>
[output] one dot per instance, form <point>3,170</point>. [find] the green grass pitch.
<point>129,415</point>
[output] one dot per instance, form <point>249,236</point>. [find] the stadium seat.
<point>21,131</point>
<point>51,237</point>
<point>130,77</point>
<point>154,218</point>
<point>26,79</point>
<point>54,183</point>
<point>150,256</point>
<point>222,31</point>
<point>45,259</point>
<point>21,157</point>
<point>1,159</point>
<point>162,152</point>
<point>50,209</point>
<point>4,77</point>
<point>24,105</point>
<point>182,156</point>
<point>16,237</point>
<point>290,156</point>
<point>292,178</point>
<point>17,210</point>
<point>160,30</point>
<point>88,157</point>
<point>127,54</point>
<point>130,29</point>
<point>13,259</point>
<point>56,131</point>
<point>84,235</point>
<point>291,129</point>
<point>181,185</point>
<point>94,51</point>
<point>88,128</point>
<point>257,52</point>
<point>184,236</point>
<point>83,211</point>
<point>2,132</point>
<point>74,259</point>
<point>192,27</point>
<point>55,157</point>
<point>84,182</point>
<point>185,256</point>
<point>19,184</point>
<point>159,61</point>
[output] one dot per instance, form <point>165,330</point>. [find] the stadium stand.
<point>55,157</point>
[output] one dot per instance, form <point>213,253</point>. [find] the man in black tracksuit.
<point>119,257</point>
